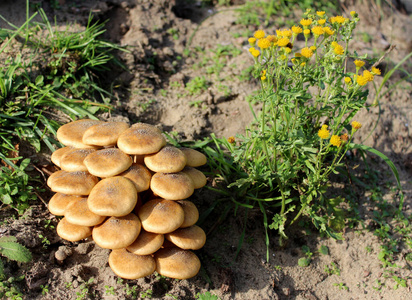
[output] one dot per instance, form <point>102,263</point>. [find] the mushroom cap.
<point>58,203</point>
<point>57,155</point>
<point>72,160</point>
<point>176,263</point>
<point>194,158</point>
<point>72,232</point>
<point>198,178</point>
<point>139,175</point>
<point>161,216</point>
<point>107,162</point>
<point>117,232</point>
<point>113,196</point>
<point>131,266</point>
<point>72,183</point>
<point>104,134</point>
<point>141,139</point>
<point>168,160</point>
<point>191,213</point>
<point>190,238</point>
<point>71,134</point>
<point>78,213</point>
<point>172,186</point>
<point>146,243</point>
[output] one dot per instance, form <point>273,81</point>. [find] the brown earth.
<point>153,92</point>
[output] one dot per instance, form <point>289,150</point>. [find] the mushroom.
<point>72,183</point>
<point>161,216</point>
<point>73,160</point>
<point>113,196</point>
<point>104,134</point>
<point>78,213</point>
<point>194,158</point>
<point>58,203</point>
<point>139,175</point>
<point>191,213</point>
<point>131,266</point>
<point>146,243</point>
<point>190,238</point>
<point>198,178</point>
<point>172,186</point>
<point>107,162</point>
<point>168,160</point>
<point>57,155</point>
<point>176,263</point>
<point>71,134</point>
<point>117,232</point>
<point>72,232</point>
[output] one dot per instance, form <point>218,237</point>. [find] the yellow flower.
<point>328,31</point>
<point>338,19</point>
<point>344,137</point>
<point>286,33</point>
<point>334,44</point>
<point>263,78</point>
<point>306,22</point>
<point>263,43</point>
<point>306,32</point>
<point>303,64</point>
<point>296,29</point>
<point>320,13</point>
<point>339,50</point>
<point>348,80</point>
<point>317,30</point>
<point>368,75</point>
<point>324,132</point>
<point>252,41</point>
<point>283,42</point>
<point>356,125</point>
<point>313,48</point>
<point>321,21</point>
<point>307,52</point>
<point>272,38</point>
<point>298,55</point>
<point>353,13</point>
<point>259,34</point>
<point>231,139</point>
<point>376,71</point>
<point>255,53</point>
<point>358,63</point>
<point>335,141</point>
<point>264,72</point>
<point>287,50</point>
<point>251,49</point>
<point>361,80</point>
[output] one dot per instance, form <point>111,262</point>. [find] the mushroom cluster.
<point>129,190</point>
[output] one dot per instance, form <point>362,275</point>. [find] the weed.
<point>109,290</point>
<point>163,93</point>
<point>131,291</point>
<point>206,296</point>
<point>324,250</point>
<point>44,289</point>
<point>196,103</point>
<point>305,261</point>
<point>84,292</point>
<point>333,269</point>
<point>341,286</point>
<point>147,294</point>
<point>196,85</point>
<point>174,33</point>
<point>171,296</point>
<point>44,240</point>
<point>8,288</point>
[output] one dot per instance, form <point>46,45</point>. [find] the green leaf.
<point>8,239</point>
<point>324,250</point>
<point>15,251</point>
<point>304,261</point>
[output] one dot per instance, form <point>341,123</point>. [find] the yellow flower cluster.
<point>358,63</point>
<point>328,31</point>
<point>317,30</point>
<point>283,42</point>
<point>263,43</point>
<point>356,125</point>
<point>376,71</point>
<point>323,133</point>
<point>338,19</point>
<point>338,49</point>
<point>364,78</point>
<point>306,22</point>
<point>296,29</point>
<point>335,140</point>
<point>259,34</point>
<point>263,76</point>
<point>307,52</point>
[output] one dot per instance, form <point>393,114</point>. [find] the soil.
<point>152,90</point>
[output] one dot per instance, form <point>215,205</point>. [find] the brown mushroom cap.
<point>72,160</point>
<point>72,183</point>
<point>194,158</point>
<point>107,162</point>
<point>104,134</point>
<point>113,196</point>
<point>141,139</point>
<point>161,216</point>
<point>172,186</point>
<point>146,243</point>
<point>131,266</point>
<point>168,160</point>
<point>72,232</point>
<point>176,263</point>
<point>139,175</point>
<point>71,134</point>
<point>190,238</point>
<point>78,213</point>
<point>58,203</point>
<point>117,232</point>
<point>198,178</point>
<point>57,155</point>
<point>191,213</point>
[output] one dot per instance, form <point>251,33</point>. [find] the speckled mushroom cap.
<point>71,232</point>
<point>57,155</point>
<point>191,213</point>
<point>113,196</point>
<point>141,139</point>
<point>176,263</point>
<point>146,243</point>
<point>168,160</point>
<point>72,183</point>
<point>172,186</point>
<point>58,203</point>
<point>78,213</point>
<point>71,134</point>
<point>198,178</point>
<point>104,134</point>
<point>194,158</point>
<point>72,160</point>
<point>161,216</point>
<point>107,162</point>
<point>190,238</point>
<point>139,175</point>
<point>117,232</point>
<point>131,266</point>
